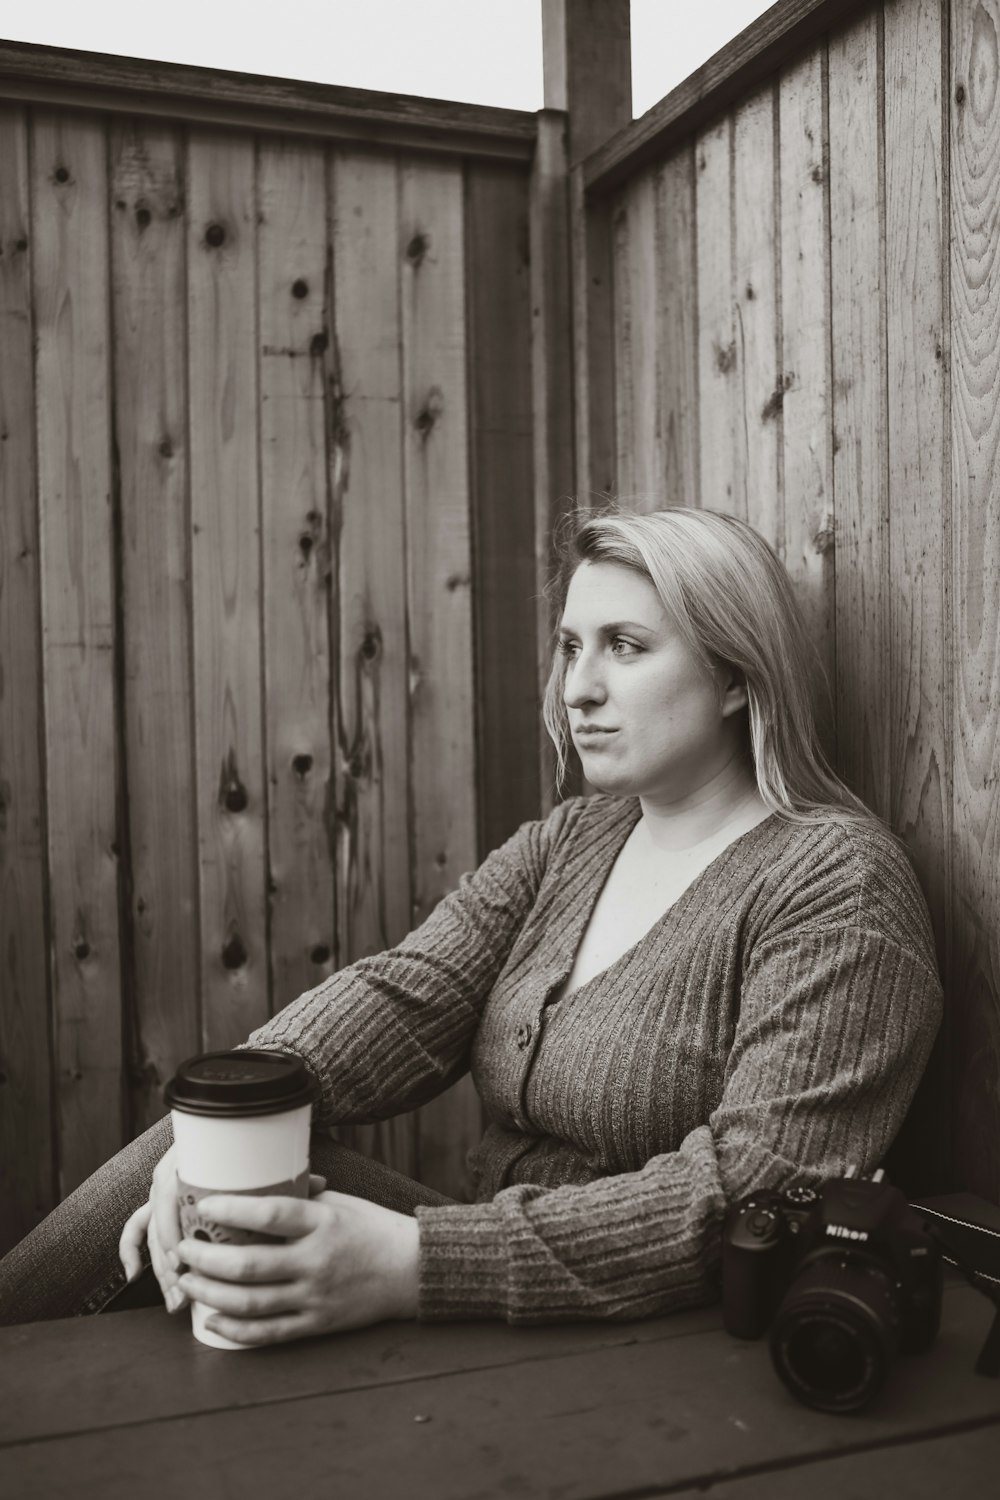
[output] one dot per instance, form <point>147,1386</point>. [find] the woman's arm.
<point>393,1030</point>
<point>834,1032</point>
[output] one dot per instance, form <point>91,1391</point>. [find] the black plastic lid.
<point>249,1082</point>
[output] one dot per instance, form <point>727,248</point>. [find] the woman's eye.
<point>629,647</point>
<point>566,648</point>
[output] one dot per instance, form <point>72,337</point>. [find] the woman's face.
<point>646,717</point>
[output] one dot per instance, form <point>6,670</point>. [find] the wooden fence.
<point>266,474</point>
<point>814,219</point>
<point>284,410</point>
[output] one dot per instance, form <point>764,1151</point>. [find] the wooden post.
<point>588,73</point>
<point>588,96</point>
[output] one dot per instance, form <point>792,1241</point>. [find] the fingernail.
<point>174,1299</point>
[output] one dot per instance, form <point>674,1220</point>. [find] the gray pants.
<point>69,1264</point>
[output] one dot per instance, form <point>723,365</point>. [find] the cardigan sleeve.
<point>835,1029</point>
<point>393,1030</point>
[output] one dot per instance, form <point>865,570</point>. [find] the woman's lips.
<point>593,732</point>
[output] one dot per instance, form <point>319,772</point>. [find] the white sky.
<point>480,51</point>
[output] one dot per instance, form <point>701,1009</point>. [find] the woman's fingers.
<point>165,1230</point>
<point>317,1184</point>
<point>133,1237</point>
<point>277,1330</point>
<point>285,1217</point>
<point>244,1263</point>
<point>241,1301</point>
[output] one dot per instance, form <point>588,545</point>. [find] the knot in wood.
<point>318,344</point>
<point>81,950</point>
<point>371,645</point>
<point>61,174</point>
<point>416,250</point>
<point>232,792</point>
<point>725,358</point>
<point>320,954</point>
<point>166,448</point>
<point>143,217</point>
<point>430,413</point>
<point>302,764</point>
<point>300,288</point>
<point>234,954</point>
<point>215,235</point>
<point>960,94</point>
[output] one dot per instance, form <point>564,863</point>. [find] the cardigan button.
<point>523,1036</point>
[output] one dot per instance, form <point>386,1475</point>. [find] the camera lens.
<point>836,1331</point>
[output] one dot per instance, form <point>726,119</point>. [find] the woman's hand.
<point>158,1224</point>
<point>346,1263</point>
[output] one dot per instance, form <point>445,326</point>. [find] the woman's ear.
<point>732,690</point>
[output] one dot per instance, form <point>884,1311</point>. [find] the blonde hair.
<point>731,600</point>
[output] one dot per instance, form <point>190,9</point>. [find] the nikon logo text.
<point>841,1233</point>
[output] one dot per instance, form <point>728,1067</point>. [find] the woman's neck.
<point>722,808</point>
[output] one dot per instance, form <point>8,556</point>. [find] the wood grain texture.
<point>760,388</point>
<point>859,396</point>
<point>27,1176</point>
<point>637,403</point>
<point>676,330</point>
<point>480,1409</point>
<point>439,580</point>
<point>368,542</point>
<point>975,437</point>
<point>225,522</point>
<point>294,334</point>
<point>500,434</point>
<point>770,42</point>
<point>70,282</point>
<point>251,102</point>
<point>918,705</point>
<point>593,344</point>
<point>718,350</point>
<point>806,453</point>
<point>150,424</point>
<point>552,395</point>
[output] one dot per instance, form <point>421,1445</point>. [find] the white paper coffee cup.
<point>241,1124</point>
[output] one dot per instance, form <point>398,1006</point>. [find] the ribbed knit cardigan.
<point>770,1028</point>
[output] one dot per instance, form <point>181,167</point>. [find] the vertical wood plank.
<point>975,429</point>
<point>637,397</point>
<point>148,291</point>
<point>591,250</point>
<point>859,460</point>
<point>26,1164</point>
<point>755,304</point>
<point>500,396</point>
<point>368,536</point>
<point>70,267</point>
<point>676,331</point>
<point>806,455</point>
<point>225,518</point>
<point>718,374</point>
<point>552,392</point>
<point>439,564</point>
<point>919,712</point>
<point>296,573</point>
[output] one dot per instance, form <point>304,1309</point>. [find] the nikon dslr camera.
<point>844,1275</point>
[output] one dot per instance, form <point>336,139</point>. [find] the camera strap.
<point>988,1362</point>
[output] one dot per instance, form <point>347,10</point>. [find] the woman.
<point>717,974</point>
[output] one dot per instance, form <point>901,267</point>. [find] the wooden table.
<point>130,1406</point>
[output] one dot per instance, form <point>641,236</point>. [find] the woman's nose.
<point>584,682</point>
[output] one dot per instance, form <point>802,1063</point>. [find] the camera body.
<point>844,1275</point>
